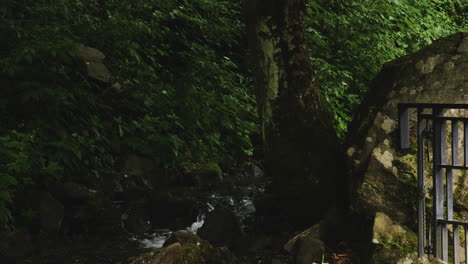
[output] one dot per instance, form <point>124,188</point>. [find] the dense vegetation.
<point>350,40</point>
<point>187,95</point>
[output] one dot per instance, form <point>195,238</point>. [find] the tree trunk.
<point>300,143</point>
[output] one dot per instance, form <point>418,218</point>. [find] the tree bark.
<point>300,143</point>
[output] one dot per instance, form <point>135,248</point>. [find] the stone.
<point>252,171</point>
<point>137,221</point>
<point>209,175</point>
<point>138,166</point>
<point>51,214</point>
<point>172,210</point>
<point>255,242</point>
<point>306,247</point>
<point>221,227</point>
<point>381,175</point>
<point>167,255</point>
<point>93,60</point>
<point>392,241</point>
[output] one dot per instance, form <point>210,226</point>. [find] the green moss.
<point>209,168</point>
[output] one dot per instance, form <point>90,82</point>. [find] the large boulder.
<point>306,247</point>
<point>382,176</point>
<point>221,227</point>
<point>172,210</point>
<point>205,176</point>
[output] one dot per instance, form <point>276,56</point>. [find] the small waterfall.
<point>242,207</point>
<point>156,240</point>
<point>196,225</point>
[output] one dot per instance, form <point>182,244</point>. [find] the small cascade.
<point>156,239</point>
<point>196,225</point>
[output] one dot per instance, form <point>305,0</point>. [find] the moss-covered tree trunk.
<point>300,143</point>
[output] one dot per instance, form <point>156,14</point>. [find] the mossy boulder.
<point>207,175</point>
<point>382,177</point>
<point>393,241</point>
<point>186,248</point>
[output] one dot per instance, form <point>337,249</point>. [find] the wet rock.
<point>208,175</point>
<point>132,188</point>
<point>186,248</point>
<point>51,214</point>
<point>221,227</point>
<point>252,243</point>
<point>167,255</point>
<point>171,210</point>
<point>251,170</point>
<point>137,221</point>
<point>306,247</point>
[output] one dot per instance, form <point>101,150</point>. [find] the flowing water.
<point>242,208</point>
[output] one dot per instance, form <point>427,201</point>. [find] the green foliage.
<point>21,163</point>
<point>350,40</point>
<point>183,97</point>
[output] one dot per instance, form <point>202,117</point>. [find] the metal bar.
<point>452,222</point>
<point>453,167</point>
<point>443,161</point>
<point>443,142</point>
<point>438,184</point>
<point>456,244</point>
<point>465,139</point>
<point>456,228</point>
<point>404,127</point>
<point>453,118</point>
<point>466,243</point>
<point>449,185</point>
<point>449,199</point>
<point>440,106</point>
<point>421,185</point>
<point>454,143</point>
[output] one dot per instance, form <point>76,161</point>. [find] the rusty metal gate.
<point>438,138</point>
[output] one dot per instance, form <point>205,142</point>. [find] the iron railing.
<point>431,128</point>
